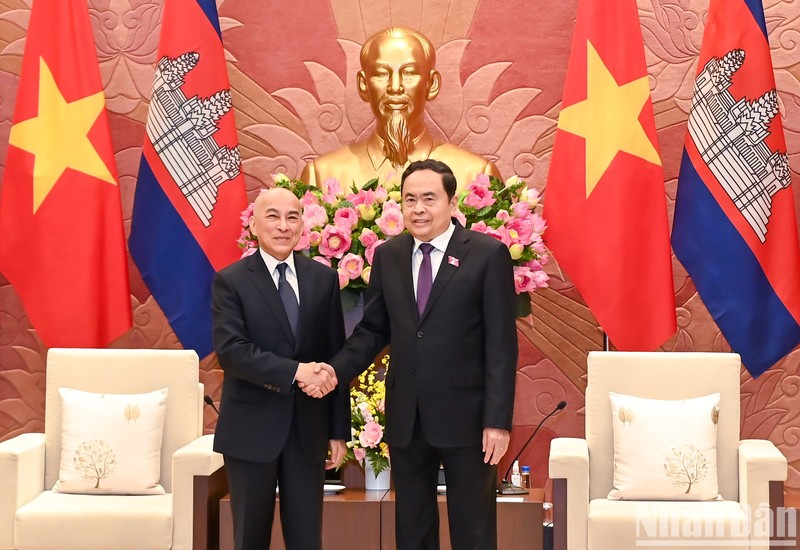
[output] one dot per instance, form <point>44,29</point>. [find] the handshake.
<point>316,379</point>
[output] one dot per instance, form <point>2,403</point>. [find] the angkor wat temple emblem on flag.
<point>181,130</point>
<point>729,134</point>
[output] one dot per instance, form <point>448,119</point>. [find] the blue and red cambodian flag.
<point>190,190</point>
<point>735,229</point>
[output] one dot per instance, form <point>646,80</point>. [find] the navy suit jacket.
<point>259,356</point>
<point>456,363</point>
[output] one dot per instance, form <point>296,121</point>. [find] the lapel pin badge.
<point>452,261</point>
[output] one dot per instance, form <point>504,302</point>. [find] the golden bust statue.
<point>397,78</point>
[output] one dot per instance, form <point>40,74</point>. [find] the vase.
<point>376,483</point>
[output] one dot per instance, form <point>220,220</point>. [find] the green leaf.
<point>371,185</point>
<point>484,211</point>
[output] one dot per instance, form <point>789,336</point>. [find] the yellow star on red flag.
<point>58,136</point>
<point>608,119</point>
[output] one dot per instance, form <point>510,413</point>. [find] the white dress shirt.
<point>437,254</point>
<point>291,272</point>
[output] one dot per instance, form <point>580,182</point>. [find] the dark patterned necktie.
<point>288,298</point>
<point>425,277</point>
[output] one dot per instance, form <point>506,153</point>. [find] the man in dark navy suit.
<point>443,297</point>
<point>274,312</point>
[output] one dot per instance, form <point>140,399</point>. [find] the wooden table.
<point>519,524</point>
<point>351,519</point>
<point>357,519</point>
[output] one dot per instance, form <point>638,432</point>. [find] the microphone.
<point>508,488</point>
<point>209,401</point>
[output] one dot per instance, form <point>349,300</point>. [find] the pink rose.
<point>371,435</point>
<point>541,278</point>
<point>352,265</point>
<point>304,242</point>
<point>523,280</point>
<point>367,237</point>
<point>501,234</point>
<point>343,278</point>
<point>538,246</point>
<point>370,251</point>
<point>346,218</point>
<point>359,453</point>
<point>314,215</point>
<point>538,223</point>
<point>391,221</point>
<point>481,180</point>
<point>335,241</point>
<point>534,265</point>
<point>391,205</point>
<point>364,196</point>
<point>479,197</point>
<point>309,198</point>
<point>480,227</point>
<point>365,274</point>
<point>330,198</point>
<point>522,229</point>
<point>323,260</point>
<point>503,215</point>
<point>314,238</point>
<point>247,213</point>
<point>331,186</point>
<point>381,193</point>
<point>521,209</point>
<point>248,252</point>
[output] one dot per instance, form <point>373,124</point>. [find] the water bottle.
<point>525,477</point>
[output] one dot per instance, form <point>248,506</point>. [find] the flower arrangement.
<point>342,227</point>
<point>368,419</point>
<point>508,211</point>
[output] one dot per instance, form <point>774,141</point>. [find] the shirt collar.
<point>423,145</point>
<point>272,262</point>
<point>440,242</point>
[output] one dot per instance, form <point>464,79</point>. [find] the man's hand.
<point>338,449</point>
<point>316,379</point>
<point>495,444</point>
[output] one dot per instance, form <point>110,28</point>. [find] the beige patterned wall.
<point>292,67</point>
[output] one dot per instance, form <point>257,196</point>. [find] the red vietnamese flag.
<point>605,204</point>
<point>61,239</point>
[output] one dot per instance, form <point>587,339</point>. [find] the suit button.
<point>419,334</point>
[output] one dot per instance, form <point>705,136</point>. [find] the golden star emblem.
<point>608,119</point>
<point>58,136</point>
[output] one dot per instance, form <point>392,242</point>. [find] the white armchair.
<point>583,469</point>
<point>32,516</point>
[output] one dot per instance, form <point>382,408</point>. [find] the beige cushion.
<point>615,524</point>
<point>90,522</point>
<point>664,449</point>
<point>111,443</point>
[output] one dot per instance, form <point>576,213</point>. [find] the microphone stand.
<point>209,401</point>
<point>508,488</point>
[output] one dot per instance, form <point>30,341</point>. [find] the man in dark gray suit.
<point>269,432</point>
<point>443,297</point>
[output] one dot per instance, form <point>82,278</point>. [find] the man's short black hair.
<point>448,178</point>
